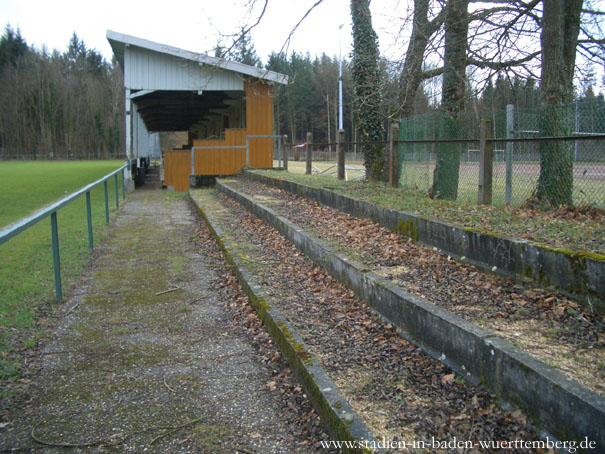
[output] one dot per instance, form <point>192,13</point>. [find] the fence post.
<point>394,156</point>
<point>285,152</point>
<point>340,150</point>
<point>510,126</point>
<point>486,161</point>
<point>309,170</point>
<point>89,221</point>
<point>279,151</point>
<point>54,233</point>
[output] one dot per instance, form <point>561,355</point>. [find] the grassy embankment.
<point>26,272</point>
<point>577,230</point>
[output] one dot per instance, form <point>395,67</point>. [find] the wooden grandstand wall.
<point>176,163</point>
<point>228,161</point>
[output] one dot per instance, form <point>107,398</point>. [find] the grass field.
<point>26,274</point>
<point>588,181</point>
<point>300,167</point>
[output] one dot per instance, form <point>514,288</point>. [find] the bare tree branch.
<point>246,31</point>
<point>287,41</point>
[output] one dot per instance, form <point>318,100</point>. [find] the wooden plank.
<point>177,168</point>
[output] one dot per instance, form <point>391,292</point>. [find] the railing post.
<point>89,220</point>
<point>247,153</point>
<point>340,152</point>
<point>309,170</point>
<point>117,192</point>
<point>285,152</point>
<point>394,156</point>
<point>123,187</point>
<point>106,203</point>
<point>54,233</point>
<point>486,162</point>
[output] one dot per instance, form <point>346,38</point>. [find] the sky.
<point>197,25</point>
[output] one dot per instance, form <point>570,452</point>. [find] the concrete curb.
<point>576,274</point>
<point>341,421</point>
<point>556,403</point>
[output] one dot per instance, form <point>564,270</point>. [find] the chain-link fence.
<point>526,166</point>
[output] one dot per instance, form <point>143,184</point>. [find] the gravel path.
<point>400,392</point>
<point>159,351</point>
<point>544,323</point>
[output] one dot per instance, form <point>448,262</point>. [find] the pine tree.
<point>244,51</point>
<point>12,47</point>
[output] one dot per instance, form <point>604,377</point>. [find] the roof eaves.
<point>115,39</point>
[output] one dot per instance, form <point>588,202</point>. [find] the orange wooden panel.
<point>177,168</point>
<point>259,117</point>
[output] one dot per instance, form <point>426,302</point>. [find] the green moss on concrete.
<point>407,229</point>
<point>571,253</point>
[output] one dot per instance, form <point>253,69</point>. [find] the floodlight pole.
<point>340,78</point>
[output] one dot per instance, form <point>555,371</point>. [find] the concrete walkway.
<point>147,358</point>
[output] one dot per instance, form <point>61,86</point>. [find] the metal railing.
<point>25,223</point>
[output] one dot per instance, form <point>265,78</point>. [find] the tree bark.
<point>412,73</point>
<point>559,38</point>
<point>447,167</point>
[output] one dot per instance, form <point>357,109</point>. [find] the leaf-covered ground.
<point>577,229</point>
<point>400,392</point>
<point>546,324</point>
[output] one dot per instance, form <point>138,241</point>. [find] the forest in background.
<point>68,105</point>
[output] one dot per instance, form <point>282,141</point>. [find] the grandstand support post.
<point>285,152</point>
<point>393,156</point>
<point>486,161</point>
<point>340,151</point>
<point>510,127</point>
<point>309,170</point>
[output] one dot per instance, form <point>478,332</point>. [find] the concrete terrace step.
<point>556,404</point>
<point>575,273</point>
<point>340,419</point>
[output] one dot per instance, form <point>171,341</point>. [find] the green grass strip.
<point>26,273</point>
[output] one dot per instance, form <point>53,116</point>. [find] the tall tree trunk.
<point>412,73</point>
<point>559,38</point>
<point>366,87</point>
<point>447,168</point>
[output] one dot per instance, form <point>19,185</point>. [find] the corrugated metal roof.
<point>166,72</point>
